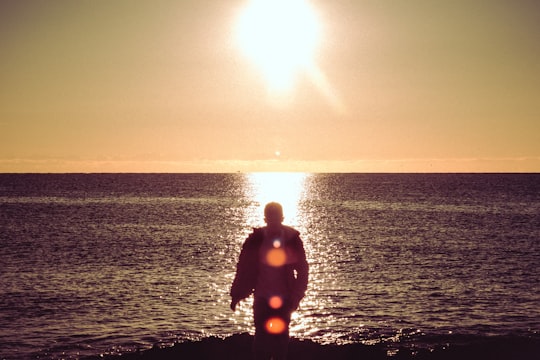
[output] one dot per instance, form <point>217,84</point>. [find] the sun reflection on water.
<point>284,188</point>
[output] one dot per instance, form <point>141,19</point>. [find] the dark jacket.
<point>296,267</point>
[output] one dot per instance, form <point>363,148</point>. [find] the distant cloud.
<point>502,164</point>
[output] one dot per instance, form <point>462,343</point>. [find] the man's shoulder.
<point>290,232</point>
<point>256,236</point>
<point>258,233</point>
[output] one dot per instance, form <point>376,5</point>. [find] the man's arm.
<point>301,273</point>
<point>246,272</point>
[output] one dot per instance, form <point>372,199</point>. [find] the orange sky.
<point>164,86</point>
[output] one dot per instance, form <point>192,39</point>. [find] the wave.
<point>460,347</point>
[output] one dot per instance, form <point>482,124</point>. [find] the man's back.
<point>273,266</point>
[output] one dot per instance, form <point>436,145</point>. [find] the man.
<point>272,265</point>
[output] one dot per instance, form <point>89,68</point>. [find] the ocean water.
<point>96,264</point>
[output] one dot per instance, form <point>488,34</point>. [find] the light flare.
<point>276,257</point>
<point>275,326</point>
<point>319,79</point>
<point>275,302</point>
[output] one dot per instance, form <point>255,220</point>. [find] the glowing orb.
<point>275,302</point>
<point>275,326</point>
<point>280,36</point>
<point>276,257</point>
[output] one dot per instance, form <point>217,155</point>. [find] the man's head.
<point>273,213</point>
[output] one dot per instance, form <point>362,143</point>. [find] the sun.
<point>280,37</point>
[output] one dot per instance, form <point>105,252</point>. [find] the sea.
<point>100,264</point>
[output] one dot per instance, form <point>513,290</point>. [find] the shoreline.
<point>238,347</point>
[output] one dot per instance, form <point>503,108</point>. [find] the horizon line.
<point>524,164</point>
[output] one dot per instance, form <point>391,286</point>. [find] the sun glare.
<point>280,37</point>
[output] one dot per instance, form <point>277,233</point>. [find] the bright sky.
<point>325,86</point>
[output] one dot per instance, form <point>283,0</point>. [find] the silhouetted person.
<point>272,266</point>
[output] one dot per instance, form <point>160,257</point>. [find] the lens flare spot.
<point>276,257</point>
<point>275,302</point>
<point>275,326</point>
<point>277,243</point>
